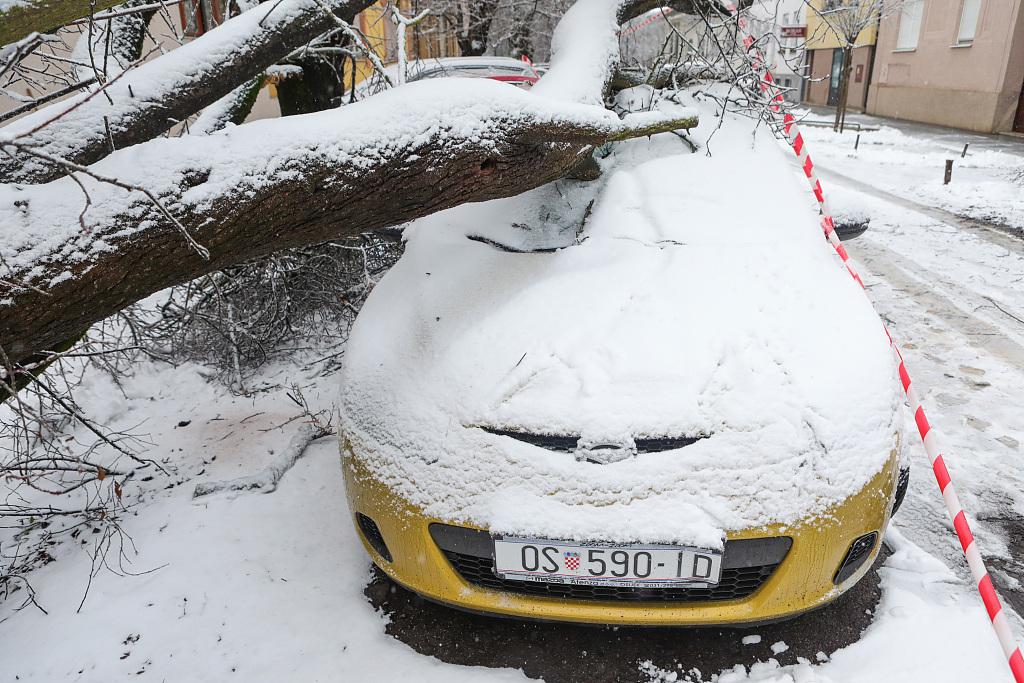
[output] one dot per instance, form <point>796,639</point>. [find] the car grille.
<point>746,565</point>
<point>568,443</point>
<point>736,583</point>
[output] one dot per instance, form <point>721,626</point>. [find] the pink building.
<point>955,63</point>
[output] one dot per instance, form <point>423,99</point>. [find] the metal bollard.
<point>949,172</point>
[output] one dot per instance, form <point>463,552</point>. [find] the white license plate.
<point>600,564</point>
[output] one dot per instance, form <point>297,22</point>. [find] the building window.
<point>968,22</point>
<point>910,24</point>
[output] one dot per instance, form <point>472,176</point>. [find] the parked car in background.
<point>505,69</point>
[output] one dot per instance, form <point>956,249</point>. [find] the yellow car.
<point>654,398</point>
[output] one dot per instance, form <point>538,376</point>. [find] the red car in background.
<point>506,69</point>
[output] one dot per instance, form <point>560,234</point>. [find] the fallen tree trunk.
<point>148,100</point>
<point>273,185</point>
<point>18,19</point>
<point>79,249</point>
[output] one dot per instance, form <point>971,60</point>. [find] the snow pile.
<point>699,301</point>
<point>584,45</point>
<point>987,183</point>
<point>939,625</point>
<point>244,587</point>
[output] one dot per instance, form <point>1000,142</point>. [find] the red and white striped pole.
<point>976,563</point>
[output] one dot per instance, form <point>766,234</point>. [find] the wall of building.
<point>977,86</point>
<point>821,36</point>
<point>820,62</point>
<point>782,55</point>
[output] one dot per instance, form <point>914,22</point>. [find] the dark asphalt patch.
<point>566,653</point>
<point>1008,573</point>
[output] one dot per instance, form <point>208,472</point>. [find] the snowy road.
<point>952,290</point>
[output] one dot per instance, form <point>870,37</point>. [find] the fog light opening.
<point>371,532</point>
<point>901,490</point>
<point>859,552</point>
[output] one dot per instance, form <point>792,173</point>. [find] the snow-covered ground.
<point>256,587</point>
<point>909,160</point>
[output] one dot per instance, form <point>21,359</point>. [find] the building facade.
<point>786,23</point>
<point>825,59</point>
<point>956,63</point>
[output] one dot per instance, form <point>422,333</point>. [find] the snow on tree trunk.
<point>232,108</point>
<point>69,259</point>
<point>402,24</point>
<point>19,19</point>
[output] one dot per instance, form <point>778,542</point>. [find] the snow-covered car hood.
<point>696,298</point>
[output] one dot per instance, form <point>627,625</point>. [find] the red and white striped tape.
<point>791,131</point>
<point>654,15</point>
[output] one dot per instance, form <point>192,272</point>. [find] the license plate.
<point>601,564</point>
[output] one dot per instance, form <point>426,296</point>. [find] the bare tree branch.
<point>150,99</point>
<point>20,19</point>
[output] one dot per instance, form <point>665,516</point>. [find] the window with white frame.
<point>968,22</point>
<point>910,24</point>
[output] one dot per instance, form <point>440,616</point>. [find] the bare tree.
<point>468,20</point>
<point>847,20</point>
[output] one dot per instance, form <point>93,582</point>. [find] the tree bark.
<point>319,87</point>
<point>44,16</point>
<point>149,100</point>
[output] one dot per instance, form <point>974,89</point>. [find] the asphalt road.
<point>566,653</point>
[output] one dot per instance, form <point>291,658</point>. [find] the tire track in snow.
<point>936,294</point>
<point>939,320</point>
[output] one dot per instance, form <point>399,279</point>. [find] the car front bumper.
<point>802,581</point>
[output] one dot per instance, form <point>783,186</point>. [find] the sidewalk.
<point>908,160</point>
<point>952,139</point>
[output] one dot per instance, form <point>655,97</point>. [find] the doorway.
<point>1018,121</point>
<point>834,77</point>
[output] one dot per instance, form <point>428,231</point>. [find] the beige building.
<point>956,63</point>
<point>825,56</point>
